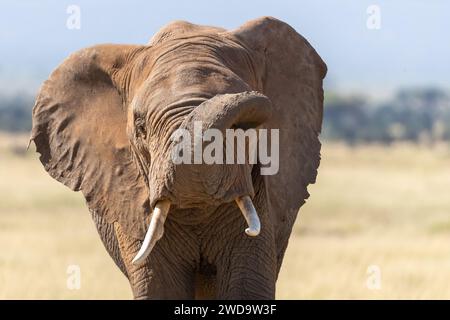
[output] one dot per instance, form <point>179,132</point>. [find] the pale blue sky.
<point>412,48</point>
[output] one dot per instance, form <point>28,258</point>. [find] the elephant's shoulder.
<point>181,28</point>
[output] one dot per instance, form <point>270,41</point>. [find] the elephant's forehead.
<point>197,67</point>
<point>181,28</point>
<point>197,50</point>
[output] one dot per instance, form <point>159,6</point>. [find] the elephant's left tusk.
<point>155,231</point>
<point>251,216</point>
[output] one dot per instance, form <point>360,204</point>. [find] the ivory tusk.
<point>155,231</point>
<point>251,216</point>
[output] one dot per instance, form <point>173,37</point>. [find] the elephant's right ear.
<point>79,128</point>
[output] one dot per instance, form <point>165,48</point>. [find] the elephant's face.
<point>154,126</point>
<point>105,122</point>
<point>179,95</point>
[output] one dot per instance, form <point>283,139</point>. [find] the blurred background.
<point>377,224</point>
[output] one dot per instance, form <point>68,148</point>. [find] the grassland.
<point>387,207</point>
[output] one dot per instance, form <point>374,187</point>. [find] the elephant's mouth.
<point>156,228</point>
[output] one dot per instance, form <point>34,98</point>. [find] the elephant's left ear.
<point>290,73</point>
<point>79,128</point>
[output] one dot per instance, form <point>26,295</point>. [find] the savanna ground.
<point>372,208</point>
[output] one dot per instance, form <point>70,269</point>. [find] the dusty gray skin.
<point>102,124</point>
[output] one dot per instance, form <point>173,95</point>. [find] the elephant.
<point>103,124</point>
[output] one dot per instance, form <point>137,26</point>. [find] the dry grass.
<point>383,206</point>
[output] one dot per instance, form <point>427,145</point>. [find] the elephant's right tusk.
<point>251,216</point>
<point>155,231</point>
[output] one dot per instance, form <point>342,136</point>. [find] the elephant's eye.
<point>139,127</point>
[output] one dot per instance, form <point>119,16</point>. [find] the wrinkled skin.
<point>102,123</point>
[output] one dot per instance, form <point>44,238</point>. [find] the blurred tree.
<point>411,115</point>
<point>15,112</point>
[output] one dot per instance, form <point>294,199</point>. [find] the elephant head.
<point>104,123</point>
